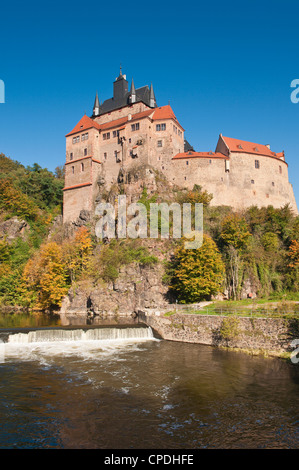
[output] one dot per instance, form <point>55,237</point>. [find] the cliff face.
<point>137,287</point>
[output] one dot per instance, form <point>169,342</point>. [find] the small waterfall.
<point>78,334</point>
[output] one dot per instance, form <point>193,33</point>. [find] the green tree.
<point>197,274</point>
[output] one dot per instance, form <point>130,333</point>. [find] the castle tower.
<point>96,106</point>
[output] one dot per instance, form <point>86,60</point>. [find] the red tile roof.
<point>84,124</point>
<point>164,112</point>
<point>77,186</point>
<point>236,145</point>
<point>111,124</point>
<point>191,154</point>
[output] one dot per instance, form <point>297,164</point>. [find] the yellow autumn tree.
<point>293,255</point>
<point>77,253</point>
<point>45,277</point>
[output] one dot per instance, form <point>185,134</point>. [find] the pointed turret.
<point>133,92</point>
<point>96,106</point>
<point>152,99</point>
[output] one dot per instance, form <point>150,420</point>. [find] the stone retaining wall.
<point>268,335</point>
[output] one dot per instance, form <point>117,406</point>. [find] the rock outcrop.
<point>137,287</point>
<point>13,228</point>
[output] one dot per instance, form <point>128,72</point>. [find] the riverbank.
<point>267,336</point>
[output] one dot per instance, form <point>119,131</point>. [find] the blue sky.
<point>225,67</point>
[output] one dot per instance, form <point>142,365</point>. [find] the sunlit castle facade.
<point>130,129</point>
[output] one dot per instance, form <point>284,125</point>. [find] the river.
<point>143,393</point>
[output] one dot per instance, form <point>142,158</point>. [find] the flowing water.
<point>118,387</point>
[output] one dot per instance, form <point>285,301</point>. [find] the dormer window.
<point>240,146</point>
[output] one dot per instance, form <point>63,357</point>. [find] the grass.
<point>247,308</point>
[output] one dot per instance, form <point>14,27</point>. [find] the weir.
<point>106,333</point>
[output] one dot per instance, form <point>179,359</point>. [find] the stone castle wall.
<point>241,185</point>
<point>268,335</point>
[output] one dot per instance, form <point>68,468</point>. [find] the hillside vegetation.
<point>255,249</point>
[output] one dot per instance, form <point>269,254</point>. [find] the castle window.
<point>273,184</point>
<point>161,127</point>
<point>130,140</point>
<point>84,136</point>
<point>135,127</point>
<point>82,166</point>
<point>180,133</point>
<point>210,162</point>
<point>105,155</point>
<point>76,139</point>
<point>106,136</point>
<point>187,163</point>
<point>252,181</point>
<point>175,129</point>
<point>115,133</point>
<point>159,143</point>
<point>73,169</point>
<point>257,163</point>
<point>85,152</point>
<point>71,156</point>
<point>280,169</point>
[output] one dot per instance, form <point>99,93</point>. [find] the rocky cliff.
<point>137,287</point>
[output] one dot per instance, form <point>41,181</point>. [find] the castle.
<point>130,129</point>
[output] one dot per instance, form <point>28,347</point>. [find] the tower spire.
<point>96,106</point>
<point>152,98</point>
<point>133,92</point>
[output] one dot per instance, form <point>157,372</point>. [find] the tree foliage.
<point>198,273</point>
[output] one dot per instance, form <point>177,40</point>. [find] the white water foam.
<point>91,344</point>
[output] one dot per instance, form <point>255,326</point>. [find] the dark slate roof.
<point>124,98</point>
<point>188,147</point>
<point>142,94</point>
